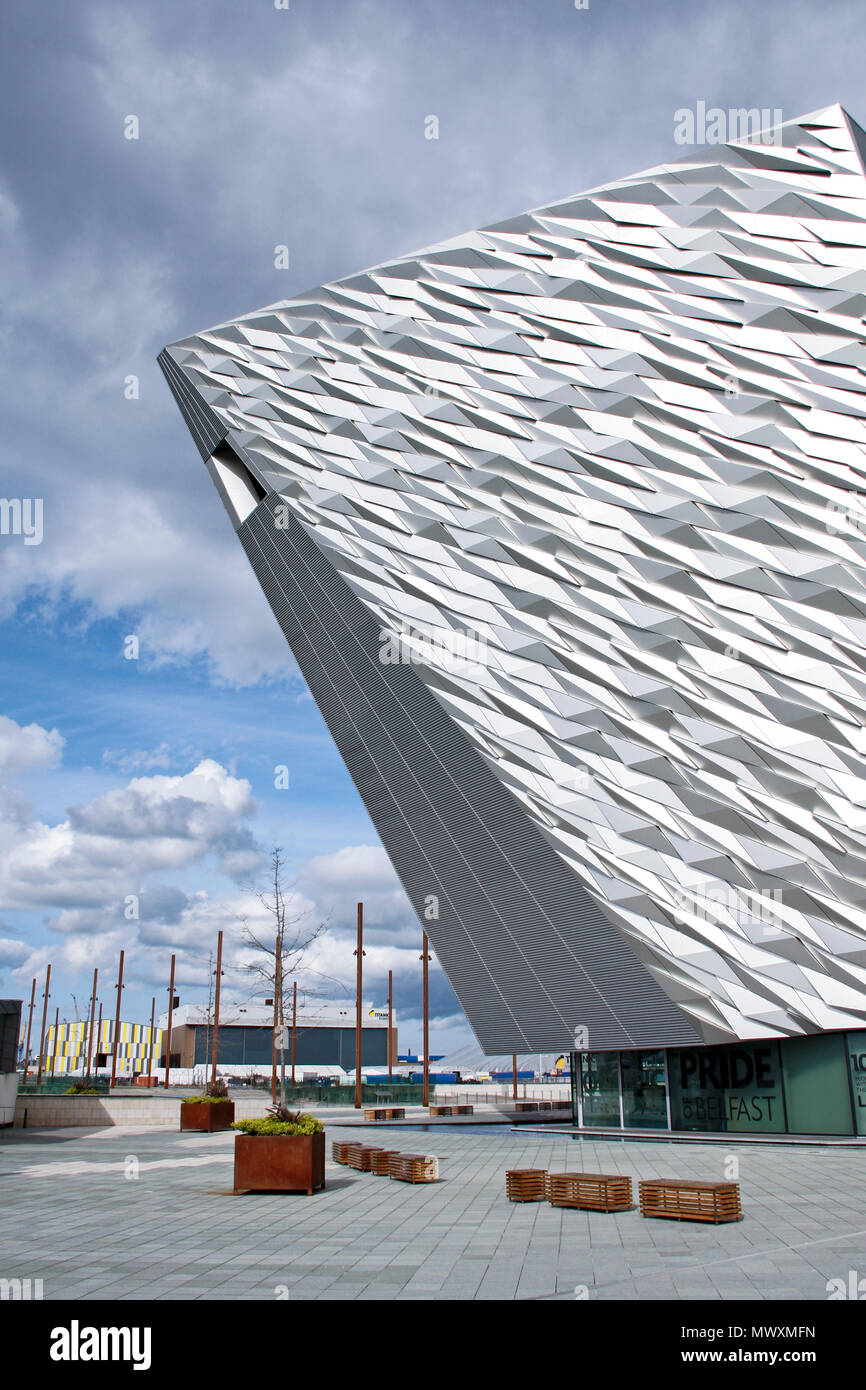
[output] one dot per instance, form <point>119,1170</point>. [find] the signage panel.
<point>737,1088</point>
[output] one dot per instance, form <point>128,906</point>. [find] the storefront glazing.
<point>812,1085</point>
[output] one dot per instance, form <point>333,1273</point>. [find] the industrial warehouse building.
<point>564,523</point>
<point>324,1041</point>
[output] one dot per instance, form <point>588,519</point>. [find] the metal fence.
<point>397,1094</point>
<point>56,1085</point>
<point>502,1097</point>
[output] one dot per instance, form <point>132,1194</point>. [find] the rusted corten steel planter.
<point>280,1163</point>
<point>205,1117</point>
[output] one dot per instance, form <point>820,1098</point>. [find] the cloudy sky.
<point>151,778</point>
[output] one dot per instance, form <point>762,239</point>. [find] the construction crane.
<point>75,1002</point>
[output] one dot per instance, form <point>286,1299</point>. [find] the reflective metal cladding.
<point>565,521</point>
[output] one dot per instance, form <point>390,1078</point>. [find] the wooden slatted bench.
<point>440,1109</point>
<point>413,1167</point>
<point>526,1184</point>
<point>463,1110</point>
<point>354,1153</point>
<point>385,1112</point>
<point>686,1200</point>
<point>590,1191</point>
<point>524,1104</point>
<point>338,1150</point>
<point>368,1153</point>
<point>380,1162</point>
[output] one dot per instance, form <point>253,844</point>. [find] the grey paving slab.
<point>176,1232</point>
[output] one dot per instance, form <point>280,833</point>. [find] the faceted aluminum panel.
<point>530,955</point>
<point>619,443</point>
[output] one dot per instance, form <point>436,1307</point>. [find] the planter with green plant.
<point>283,1151</point>
<point>209,1112</point>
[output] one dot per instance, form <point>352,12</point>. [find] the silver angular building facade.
<point>565,523</point>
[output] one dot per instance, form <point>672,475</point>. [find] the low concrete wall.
<point>60,1112</point>
<point>8,1092</point>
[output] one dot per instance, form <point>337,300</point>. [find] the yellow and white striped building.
<point>67,1052</point>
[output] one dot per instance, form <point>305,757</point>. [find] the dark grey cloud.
<point>302,127</point>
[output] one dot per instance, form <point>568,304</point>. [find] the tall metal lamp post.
<point>216,1008</point>
<point>425,991</point>
<point>168,1029</point>
<point>359,952</point>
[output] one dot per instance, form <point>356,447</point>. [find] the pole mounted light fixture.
<point>117,1021</point>
<point>152,1041</point>
<point>216,1008</point>
<point>92,1023</point>
<point>359,953</point>
<point>390,1026</point>
<point>29,1027</point>
<point>172,1004</point>
<point>425,1001</point>
<point>44,1016</point>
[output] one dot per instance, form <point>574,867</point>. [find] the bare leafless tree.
<point>280,958</point>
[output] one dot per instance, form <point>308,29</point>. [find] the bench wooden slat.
<point>381,1160</point>
<point>590,1191</point>
<point>368,1153</point>
<point>355,1154</point>
<point>680,1199</point>
<point>413,1167</point>
<point>526,1184</point>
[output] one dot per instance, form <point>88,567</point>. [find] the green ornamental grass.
<point>302,1124</point>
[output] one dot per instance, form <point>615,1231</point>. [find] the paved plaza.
<point>123,1214</point>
